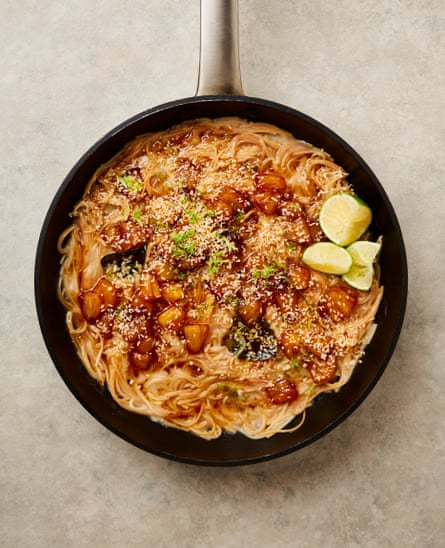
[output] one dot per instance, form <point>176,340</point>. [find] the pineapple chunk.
<point>172,292</point>
<point>172,318</point>
<point>195,336</point>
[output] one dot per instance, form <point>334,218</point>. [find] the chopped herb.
<point>137,216</point>
<point>185,245</point>
<point>229,390</point>
<point>215,261</point>
<point>218,258</point>
<point>296,363</point>
<point>228,243</point>
<point>180,237</point>
<point>266,272</point>
<point>130,182</point>
<point>182,276</point>
<point>158,224</point>
<point>193,215</point>
<point>232,300</point>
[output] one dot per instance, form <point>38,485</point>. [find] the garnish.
<point>185,245</point>
<point>214,262</point>
<point>159,225</point>
<point>230,390</point>
<point>328,258</point>
<point>130,182</point>
<point>219,257</point>
<point>267,272</point>
<point>137,215</point>
<point>193,215</point>
<point>344,218</point>
<point>363,256</point>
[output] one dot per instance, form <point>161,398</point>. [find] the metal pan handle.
<point>219,66</point>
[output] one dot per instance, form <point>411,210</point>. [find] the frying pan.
<point>219,93</point>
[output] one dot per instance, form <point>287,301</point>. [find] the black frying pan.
<point>220,94</point>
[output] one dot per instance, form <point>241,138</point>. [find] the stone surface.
<point>374,73</point>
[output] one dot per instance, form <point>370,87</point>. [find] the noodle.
<point>183,283</point>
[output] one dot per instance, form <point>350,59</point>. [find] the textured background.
<point>374,73</point>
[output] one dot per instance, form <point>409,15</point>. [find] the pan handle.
<point>219,66</point>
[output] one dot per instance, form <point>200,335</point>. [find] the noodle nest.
<point>182,279</point>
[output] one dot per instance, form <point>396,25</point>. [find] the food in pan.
<point>201,283</point>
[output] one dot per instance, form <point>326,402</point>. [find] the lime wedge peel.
<point>363,255</point>
<point>344,218</point>
<point>355,263</point>
<point>328,258</point>
<point>359,277</point>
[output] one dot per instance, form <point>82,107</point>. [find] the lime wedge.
<point>364,253</point>
<point>327,257</point>
<point>344,218</point>
<point>360,277</point>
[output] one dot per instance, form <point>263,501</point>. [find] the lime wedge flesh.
<point>360,277</point>
<point>344,218</point>
<point>364,253</point>
<point>328,258</point>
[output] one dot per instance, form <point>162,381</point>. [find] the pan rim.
<point>184,103</point>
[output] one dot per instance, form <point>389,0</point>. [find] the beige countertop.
<point>373,72</point>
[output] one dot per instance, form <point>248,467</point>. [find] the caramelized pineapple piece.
<point>338,302</point>
<point>299,276</point>
<point>234,198</point>
<point>165,272</point>
<point>195,336</point>
<point>323,371</point>
<point>149,289</point>
<point>94,301</point>
<point>270,182</point>
<point>221,208</point>
<point>291,343</point>
<point>107,292</point>
<point>298,231</point>
<point>283,391</point>
<point>250,311</point>
<point>172,318</point>
<point>91,305</point>
<point>268,202</point>
<point>287,301</point>
<point>172,292</point>
<point>141,354</point>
